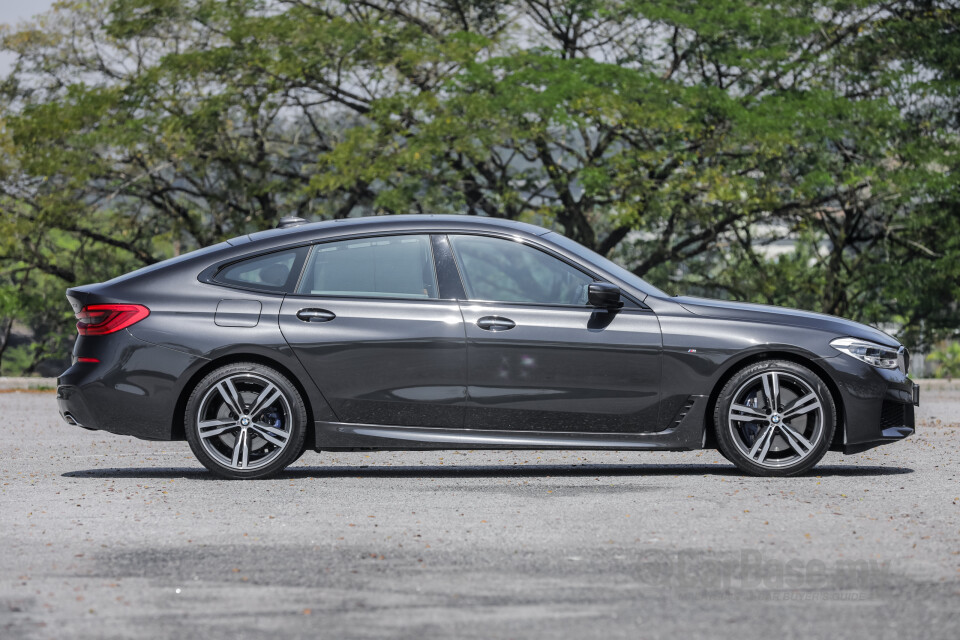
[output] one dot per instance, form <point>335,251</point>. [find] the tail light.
<point>101,319</point>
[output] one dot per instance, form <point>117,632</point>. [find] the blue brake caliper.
<point>749,430</point>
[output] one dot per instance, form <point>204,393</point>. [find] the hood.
<point>785,316</point>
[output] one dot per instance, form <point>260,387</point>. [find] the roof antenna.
<point>290,221</point>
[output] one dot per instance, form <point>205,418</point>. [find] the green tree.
<point>801,154</point>
<point>948,361</point>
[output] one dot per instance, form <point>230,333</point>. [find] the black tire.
<point>787,439</point>
<point>238,444</point>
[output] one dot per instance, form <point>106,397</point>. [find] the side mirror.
<point>603,294</point>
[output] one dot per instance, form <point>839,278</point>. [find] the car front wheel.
<point>245,420</point>
<point>775,418</point>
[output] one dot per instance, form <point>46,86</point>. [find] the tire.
<point>235,438</point>
<point>786,437</point>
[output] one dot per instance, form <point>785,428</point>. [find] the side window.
<point>275,272</point>
<point>506,271</point>
<point>385,267</point>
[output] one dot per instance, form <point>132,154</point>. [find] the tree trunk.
<point>5,327</point>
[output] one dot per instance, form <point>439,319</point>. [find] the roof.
<point>393,223</point>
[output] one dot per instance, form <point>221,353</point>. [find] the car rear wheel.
<point>245,420</point>
<point>775,418</point>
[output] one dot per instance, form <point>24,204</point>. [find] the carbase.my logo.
<point>748,569</point>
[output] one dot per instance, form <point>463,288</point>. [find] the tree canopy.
<point>802,153</point>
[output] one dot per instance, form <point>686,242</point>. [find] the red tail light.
<point>101,319</point>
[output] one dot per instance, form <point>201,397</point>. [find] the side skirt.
<point>685,435</point>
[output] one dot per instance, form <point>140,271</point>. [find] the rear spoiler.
<point>84,295</point>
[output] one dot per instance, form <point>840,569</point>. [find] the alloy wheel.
<point>244,422</point>
<point>776,419</point>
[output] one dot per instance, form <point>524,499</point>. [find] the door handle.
<point>316,315</point>
<point>495,323</point>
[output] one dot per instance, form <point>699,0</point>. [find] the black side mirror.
<point>603,294</point>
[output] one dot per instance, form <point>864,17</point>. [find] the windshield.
<point>607,265</point>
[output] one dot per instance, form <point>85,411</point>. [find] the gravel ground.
<point>106,536</point>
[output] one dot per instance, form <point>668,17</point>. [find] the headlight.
<point>870,352</point>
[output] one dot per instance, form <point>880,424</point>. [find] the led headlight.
<point>869,352</point>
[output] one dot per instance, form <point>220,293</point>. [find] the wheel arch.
<point>810,363</point>
<point>178,430</point>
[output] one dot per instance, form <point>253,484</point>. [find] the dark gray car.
<point>437,332</point>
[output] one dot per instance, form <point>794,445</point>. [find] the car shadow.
<point>485,471</point>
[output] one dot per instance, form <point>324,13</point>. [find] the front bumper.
<point>897,419</point>
<point>878,405</point>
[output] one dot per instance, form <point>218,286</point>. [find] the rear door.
<point>539,358</point>
<point>369,325</point>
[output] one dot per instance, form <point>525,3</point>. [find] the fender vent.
<point>684,410</point>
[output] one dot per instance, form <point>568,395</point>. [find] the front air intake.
<point>893,414</point>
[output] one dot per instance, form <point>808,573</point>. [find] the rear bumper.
<point>133,390</point>
<point>73,407</point>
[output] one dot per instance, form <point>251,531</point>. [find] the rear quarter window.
<point>273,272</point>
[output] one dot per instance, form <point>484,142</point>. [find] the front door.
<point>367,323</point>
<point>539,358</point>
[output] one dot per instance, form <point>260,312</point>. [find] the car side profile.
<point>442,332</point>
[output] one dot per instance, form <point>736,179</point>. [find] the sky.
<point>14,11</point>
<point>11,11</point>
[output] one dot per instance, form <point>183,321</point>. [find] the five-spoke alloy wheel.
<point>245,420</point>
<point>775,418</point>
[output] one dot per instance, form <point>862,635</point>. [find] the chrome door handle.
<point>496,323</point>
<point>316,315</point>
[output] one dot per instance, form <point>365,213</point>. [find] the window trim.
<point>206,276</point>
<point>524,241</point>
